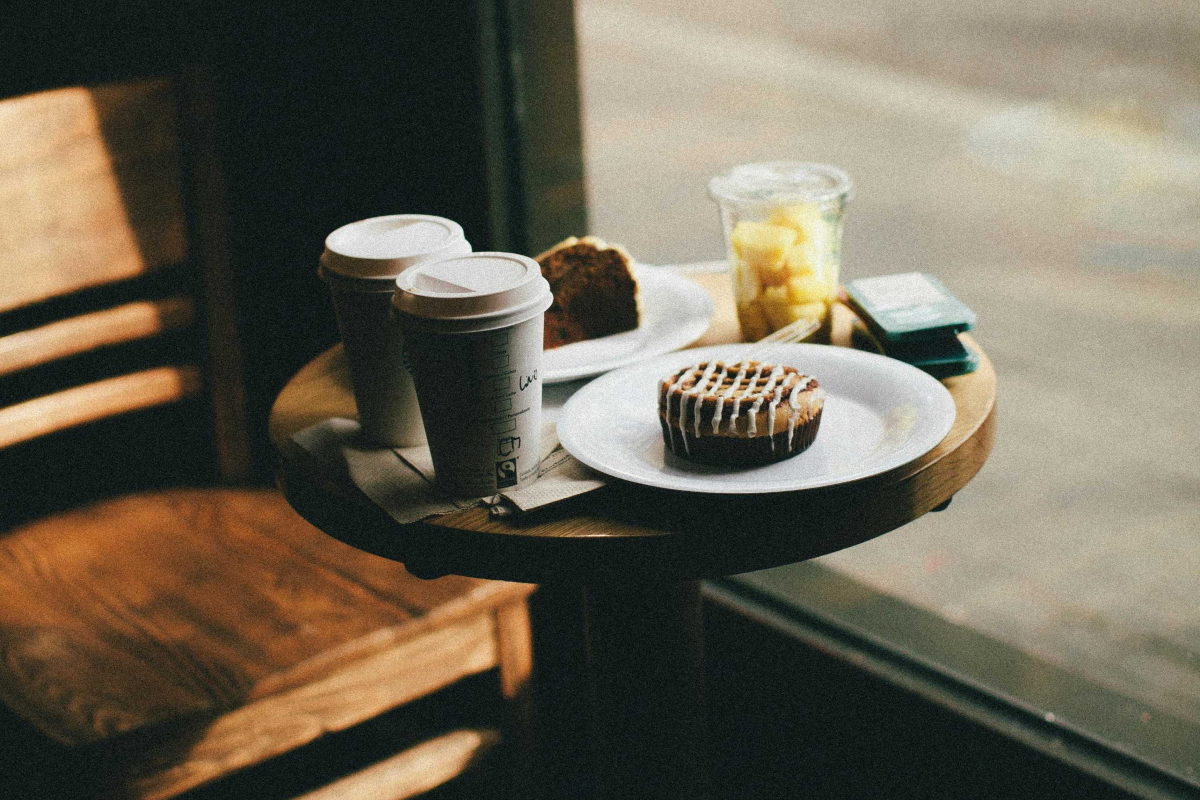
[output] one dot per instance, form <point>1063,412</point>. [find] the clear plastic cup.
<point>783,235</point>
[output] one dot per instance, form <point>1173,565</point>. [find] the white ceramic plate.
<point>675,312</point>
<point>879,414</point>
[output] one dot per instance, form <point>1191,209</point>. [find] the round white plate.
<point>879,414</point>
<point>675,311</point>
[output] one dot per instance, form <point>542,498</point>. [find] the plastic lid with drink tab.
<point>380,248</point>
<point>780,182</point>
<point>475,292</point>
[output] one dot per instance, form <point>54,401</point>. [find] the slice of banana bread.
<point>595,293</point>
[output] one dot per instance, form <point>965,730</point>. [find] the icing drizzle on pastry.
<point>712,377</point>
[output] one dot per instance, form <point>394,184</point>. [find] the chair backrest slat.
<point>89,188</point>
<point>125,323</point>
<point>95,401</point>
<point>114,273</point>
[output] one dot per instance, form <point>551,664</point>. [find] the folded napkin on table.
<point>401,480</point>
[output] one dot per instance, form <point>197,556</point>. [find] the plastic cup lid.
<point>383,247</point>
<point>780,181</point>
<point>473,292</point>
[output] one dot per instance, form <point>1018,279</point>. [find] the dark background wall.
<point>330,117</point>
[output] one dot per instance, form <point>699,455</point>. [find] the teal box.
<point>908,306</point>
<point>940,356</point>
<point>941,349</point>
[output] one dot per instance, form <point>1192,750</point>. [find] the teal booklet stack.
<point>915,319</point>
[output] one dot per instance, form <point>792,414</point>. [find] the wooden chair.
<point>164,638</point>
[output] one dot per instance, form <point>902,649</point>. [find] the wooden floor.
<point>1044,161</point>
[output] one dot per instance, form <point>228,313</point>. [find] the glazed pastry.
<point>739,414</point>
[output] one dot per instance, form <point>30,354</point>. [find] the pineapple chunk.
<point>780,309</point>
<point>753,321</point>
<point>803,259</point>
<point>762,246</point>
<point>773,275</point>
<point>804,218</point>
<point>815,311</point>
<point>775,305</point>
<point>807,289</point>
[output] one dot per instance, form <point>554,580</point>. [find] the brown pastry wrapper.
<point>739,451</point>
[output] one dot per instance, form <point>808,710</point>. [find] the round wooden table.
<point>637,553</point>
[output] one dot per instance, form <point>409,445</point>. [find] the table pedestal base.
<point>645,662</point>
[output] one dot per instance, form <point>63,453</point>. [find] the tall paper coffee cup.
<point>361,262</point>
<point>473,339</point>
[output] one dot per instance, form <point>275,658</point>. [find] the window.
<point>1043,160</point>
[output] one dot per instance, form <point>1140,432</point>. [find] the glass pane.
<point>1042,159</point>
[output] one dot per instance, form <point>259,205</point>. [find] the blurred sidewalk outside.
<point>1045,164</point>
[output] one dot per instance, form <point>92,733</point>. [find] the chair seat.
<point>215,626</point>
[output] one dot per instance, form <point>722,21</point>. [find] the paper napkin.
<point>401,480</point>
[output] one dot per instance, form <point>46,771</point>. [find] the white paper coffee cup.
<point>473,331</point>
<point>360,263</point>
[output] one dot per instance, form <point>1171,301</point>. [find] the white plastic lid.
<point>780,181</point>
<point>475,292</point>
<point>380,248</point>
